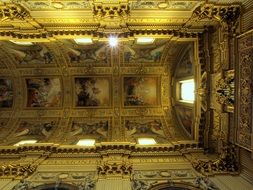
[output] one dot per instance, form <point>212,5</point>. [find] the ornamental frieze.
<point>17,170</point>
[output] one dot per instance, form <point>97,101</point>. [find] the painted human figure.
<point>6,94</point>
<point>87,96</point>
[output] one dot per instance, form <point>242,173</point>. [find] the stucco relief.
<point>244,123</point>
<point>164,174</point>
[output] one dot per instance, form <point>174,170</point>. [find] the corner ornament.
<point>226,163</point>
<point>227,14</point>
<point>13,11</point>
<point>17,170</point>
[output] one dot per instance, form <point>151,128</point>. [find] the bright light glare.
<point>83,40</point>
<point>146,141</point>
<point>145,40</point>
<point>113,41</point>
<point>187,90</point>
<point>86,142</point>
<point>25,142</point>
<point>23,43</point>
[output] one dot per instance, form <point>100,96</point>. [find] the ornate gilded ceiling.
<point>50,20</point>
<point>56,90</point>
<point>61,91</point>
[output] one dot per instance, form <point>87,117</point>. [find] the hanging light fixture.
<point>113,41</point>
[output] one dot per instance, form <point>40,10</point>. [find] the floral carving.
<point>115,169</point>
<point>16,170</point>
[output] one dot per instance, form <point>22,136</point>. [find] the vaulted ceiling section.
<point>56,90</point>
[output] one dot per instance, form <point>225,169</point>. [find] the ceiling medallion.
<point>163,5</point>
<point>57,5</point>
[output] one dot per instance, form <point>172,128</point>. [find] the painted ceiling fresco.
<point>36,54</point>
<point>6,93</point>
<point>97,128</point>
<point>62,91</point>
<point>92,92</point>
<point>97,53</point>
<point>136,53</point>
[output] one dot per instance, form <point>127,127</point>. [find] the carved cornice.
<point>112,17</point>
<point>99,148</point>
<point>51,35</point>
<point>13,11</point>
